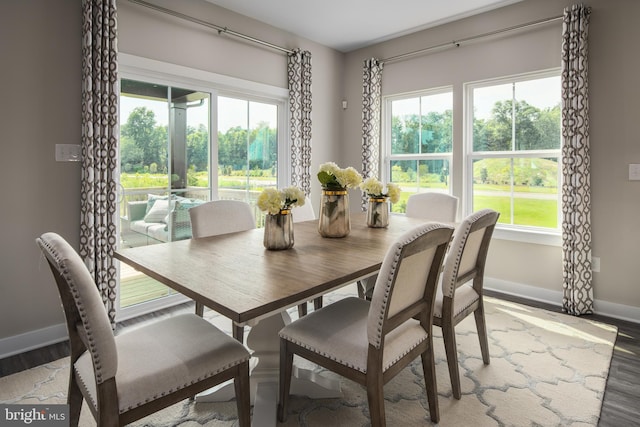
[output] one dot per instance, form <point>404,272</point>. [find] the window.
<point>418,130</point>
<point>513,137</point>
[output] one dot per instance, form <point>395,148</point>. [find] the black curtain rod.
<point>220,29</point>
<point>457,43</point>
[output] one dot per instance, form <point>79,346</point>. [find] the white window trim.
<point>504,231</point>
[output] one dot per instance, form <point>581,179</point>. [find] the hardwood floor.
<point>622,393</point>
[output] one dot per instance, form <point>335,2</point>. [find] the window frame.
<point>521,233</point>
<point>386,129</point>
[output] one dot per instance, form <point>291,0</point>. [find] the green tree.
<point>232,148</point>
<point>149,138</point>
<point>549,128</point>
<point>130,155</point>
<point>198,148</point>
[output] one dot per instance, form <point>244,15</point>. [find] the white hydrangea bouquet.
<point>273,201</point>
<point>374,189</point>
<point>331,176</point>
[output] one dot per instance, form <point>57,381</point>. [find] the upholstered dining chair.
<point>304,212</point>
<point>221,217</point>
<point>460,291</point>
<point>127,377</point>
<point>431,206</point>
<point>300,214</point>
<point>371,342</point>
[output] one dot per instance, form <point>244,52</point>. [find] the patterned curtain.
<point>299,76</point>
<point>98,200</point>
<point>576,186</point>
<point>371,92</point>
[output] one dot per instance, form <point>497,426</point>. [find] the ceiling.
<point>346,25</point>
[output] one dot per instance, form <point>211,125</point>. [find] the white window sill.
<point>528,236</point>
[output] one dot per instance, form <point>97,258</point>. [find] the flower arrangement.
<point>331,176</point>
<point>373,188</point>
<point>272,200</point>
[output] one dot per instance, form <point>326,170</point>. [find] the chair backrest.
<point>87,321</point>
<point>406,283</point>
<point>221,217</point>
<point>433,206</point>
<point>304,212</point>
<point>468,253</point>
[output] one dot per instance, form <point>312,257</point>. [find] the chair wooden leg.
<point>286,369</point>
<point>361,288</point>
<point>317,303</point>
<point>375,396</point>
<point>238,332</point>
<point>481,327</point>
<point>449,337</point>
<point>302,310</point>
<point>243,395</point>
<point>199,309</point>
<point>74,400</point>
<point>429,369</point>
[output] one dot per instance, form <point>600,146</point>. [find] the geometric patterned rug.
<point>547,369</point>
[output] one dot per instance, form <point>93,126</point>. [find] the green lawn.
<point>533,212</point>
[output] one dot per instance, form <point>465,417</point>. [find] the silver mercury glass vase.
<point>334,219</point>
<point>278,231</point>
<point>378,212</point>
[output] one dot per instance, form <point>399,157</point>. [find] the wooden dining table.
<point>237,277</point>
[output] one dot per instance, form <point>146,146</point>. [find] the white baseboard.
<point>604,308</point>
<point>31,340</point>
<point>57,333</point>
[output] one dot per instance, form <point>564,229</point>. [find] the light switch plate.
<point>67,153</point>
<point>634,172</point>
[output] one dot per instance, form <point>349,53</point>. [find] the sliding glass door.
<point>181,145</point>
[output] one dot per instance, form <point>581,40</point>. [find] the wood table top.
<point>236,276</point>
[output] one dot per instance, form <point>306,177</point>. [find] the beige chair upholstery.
<point>460,292</point>
<point>300,214</point>
<point>221,217</point>
<point>430,206</point>
<point>433,206</point>
<point>304,212</point>
<point>129,376</point>
<point>371,342</point>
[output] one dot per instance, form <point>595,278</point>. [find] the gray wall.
<point>40,78</point>
<point>41,83</point>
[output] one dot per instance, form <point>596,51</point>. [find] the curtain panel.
<point>299,78</point>
<point>371,100</point>
<point>98,199</point>
<point>576,186</point>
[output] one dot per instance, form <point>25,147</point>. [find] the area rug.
<point>547,369</point>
